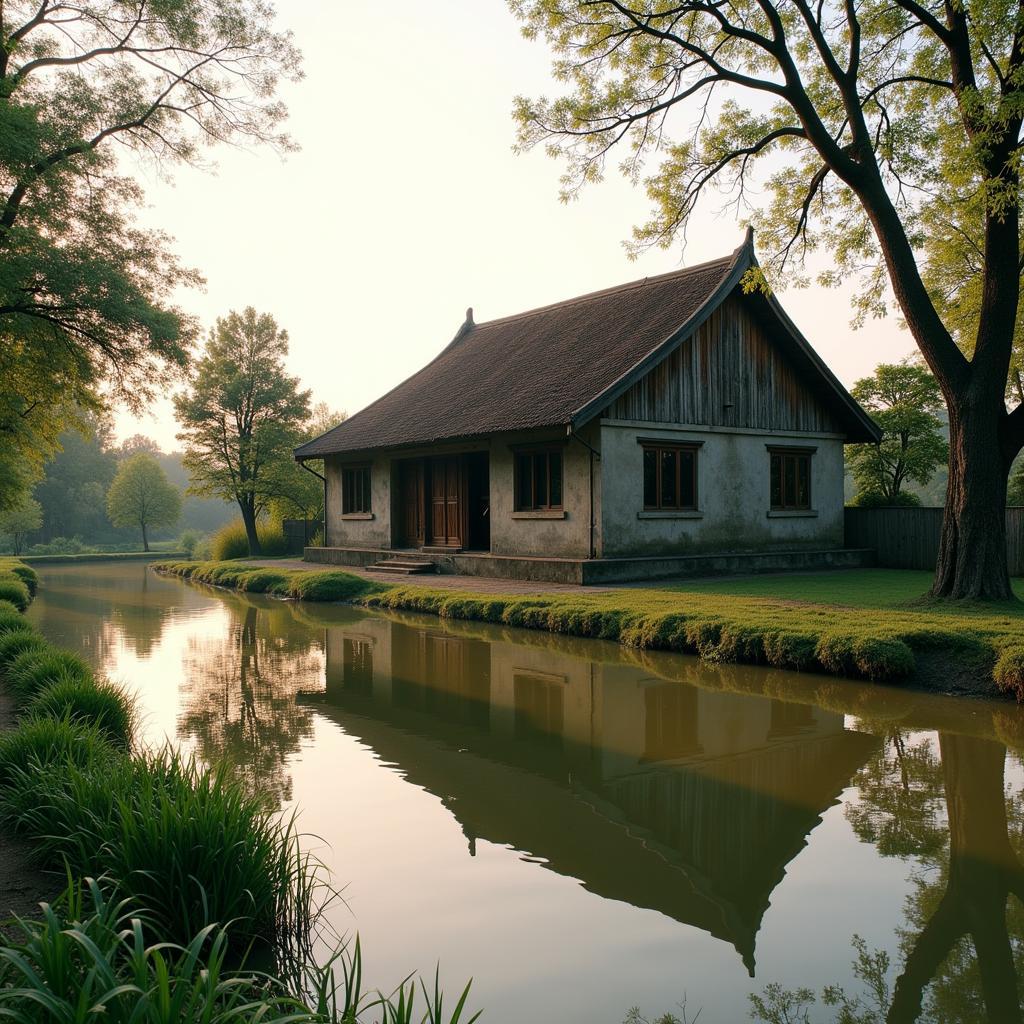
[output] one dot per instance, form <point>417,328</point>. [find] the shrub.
<point>37,745</point>
<point>187,842</point>
<point>327,586</point>
<point>875,499</point>
<point>59,546</point>
<point>882,659</point>
<point>1009,671</point>
<point>14,590</point>
<point>12,621</point>
<point>229,541</point>
<point>100,952</point>
<point>37,669</point>
<point>101,704</point>
<point>15,643</point>
<point>265,581</point>
<point>189,541</point>
<point>25,573</point>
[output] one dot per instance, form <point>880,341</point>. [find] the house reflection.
<point>661,794</point>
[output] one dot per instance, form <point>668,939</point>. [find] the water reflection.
<point>946,804</point>
<point>669,797</point>
<point>238,695</point>
<point>709,814</point>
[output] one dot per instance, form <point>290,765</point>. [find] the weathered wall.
<point>554,534</point>
<point>360,531</point>
<point>733,479</point>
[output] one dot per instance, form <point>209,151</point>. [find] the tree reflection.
<point>239,697</point>
<point>946,805</point>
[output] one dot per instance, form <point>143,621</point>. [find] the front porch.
<point>584,571</point>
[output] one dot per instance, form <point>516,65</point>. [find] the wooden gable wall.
<point>728,374</point>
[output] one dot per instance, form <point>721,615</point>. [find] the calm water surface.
<point>581,828</point>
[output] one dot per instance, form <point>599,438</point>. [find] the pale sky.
<point>406,204</point>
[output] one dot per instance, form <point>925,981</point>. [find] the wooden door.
<point>412,532</point>
<point>445,502</point>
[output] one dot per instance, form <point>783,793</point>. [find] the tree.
<point>86,295</point>
<point>880,132</point>
<point>142,496</point>
<point>75,481</point>
<point>302,493</point>
<point>18,522</point>
<point>1015,492</point>
<point>242,416</point>
<point>903,400</point>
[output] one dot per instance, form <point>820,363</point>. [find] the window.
<point>791,479</point>
<point>538,480</point>
<point>670,476</point>
<point>355,489</point>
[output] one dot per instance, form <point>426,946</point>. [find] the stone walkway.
<point>438,581</point>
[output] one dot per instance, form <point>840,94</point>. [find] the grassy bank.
<point>176,874</point>
<point>101,556</point>
<point>867,624</point>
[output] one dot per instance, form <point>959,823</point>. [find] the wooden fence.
<point>299,532</point>
<point>908,538</point>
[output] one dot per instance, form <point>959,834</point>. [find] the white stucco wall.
<point>733,468</point>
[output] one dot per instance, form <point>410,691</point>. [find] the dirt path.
<point>22,885</point>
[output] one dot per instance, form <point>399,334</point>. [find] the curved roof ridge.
<point>652,279</point>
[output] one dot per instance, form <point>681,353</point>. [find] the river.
<point>582,828</point>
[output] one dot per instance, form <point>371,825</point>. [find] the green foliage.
<point>242,415</point>
<point>15,591</point>
<point>24,572</point>
<point>12,621</point>
<point>1009,672</point>
<point>187,842</point>
<point>14,643</point>
<point>302,494</point>
<point>1015,491</point>
<point>876,499</point>
<point>95,950</point>
<point>36,669</point>
<point>86,294</point>
<point>98,703</point>
<point>904,401</point>
<point>231,541</point>
<point>18,521</point>
<point>327,586</point>
<point>189,541</point>
<point>40,744</point>
<point>141,496</point>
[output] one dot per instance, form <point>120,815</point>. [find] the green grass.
<point>871,623</point>
<point>853,588</point>
<point>98,703</point>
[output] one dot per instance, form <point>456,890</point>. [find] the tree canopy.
<point>242,415</point>
<point>87,310</point>
<point>904,401</point>
<point>881,134</point>
<point>142,496</point>
<point>17,522</point>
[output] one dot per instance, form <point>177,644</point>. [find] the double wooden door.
<point>443,502</point>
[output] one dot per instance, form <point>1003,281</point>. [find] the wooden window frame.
<point>658,445</point>
<point>784,453</point>
<point>357,495</point>
<point>534,452</point>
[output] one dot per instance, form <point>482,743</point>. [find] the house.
<point>671,425</point>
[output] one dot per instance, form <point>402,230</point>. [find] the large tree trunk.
<point>249,519</point>
<point>145,539</point>
<point>972,549</point>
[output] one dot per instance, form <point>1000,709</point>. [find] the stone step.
<point>402,567</point>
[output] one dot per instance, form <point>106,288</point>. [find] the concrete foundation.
<point>609,570</point>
